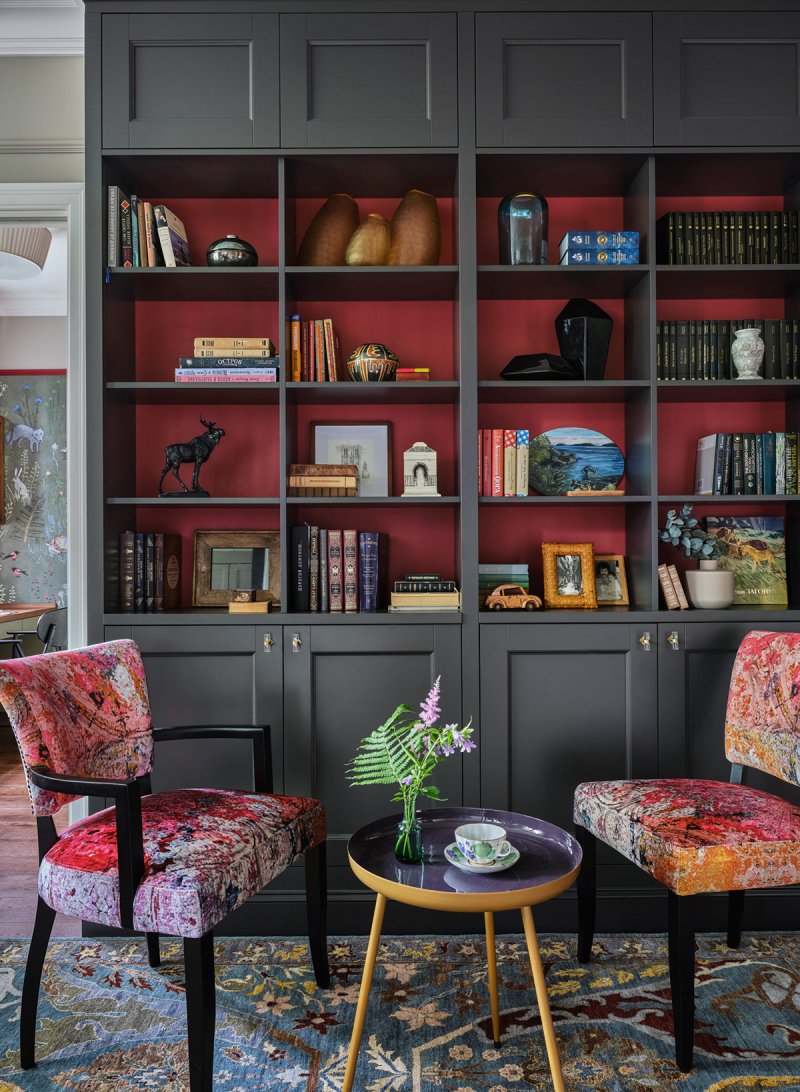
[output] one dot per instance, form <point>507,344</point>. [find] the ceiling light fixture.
<point>23,251</point>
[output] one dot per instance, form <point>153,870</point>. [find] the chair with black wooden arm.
<point>697,836</point>
<point>174,862</point>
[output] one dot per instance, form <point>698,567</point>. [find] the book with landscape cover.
<point>756,556</point>
<point>172,237</point>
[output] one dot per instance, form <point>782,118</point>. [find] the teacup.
<point>482,843</point>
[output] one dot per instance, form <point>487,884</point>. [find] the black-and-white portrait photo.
<point>569,575</point>
<point>607,581</point>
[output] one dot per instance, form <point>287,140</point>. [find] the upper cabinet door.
<point>371,80</point>
<point>727,78</point>
<point>564,80</point>
<point>190,81</point>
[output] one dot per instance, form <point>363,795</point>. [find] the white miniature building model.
<point>419,471</point>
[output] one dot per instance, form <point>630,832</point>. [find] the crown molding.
<point>41,47</point>
<point>26,4</point>
<point>41,147</point>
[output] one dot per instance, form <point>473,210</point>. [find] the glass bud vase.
<point>408,841</point>
<point>522,226</point>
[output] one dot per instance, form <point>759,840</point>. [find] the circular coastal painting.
<point>574,458</point>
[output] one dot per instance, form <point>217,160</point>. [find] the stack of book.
<point>671,586</point>
<point>491,575</point>
<point>332,570</point>
<point>322,480</point>
<point>314,350</point>
<point>742,464</point>
<point>424,592</point>
<point>503,462</point>
<point>142,235</point>
<point>412,375</point>
<point>701,349</point>
<point>599,248</point>
<point>727,238</point>
<point>149,572</point>
<point>229,360</point>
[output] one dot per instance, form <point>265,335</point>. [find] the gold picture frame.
<point>612,582</point>
<point>205,594</point>
<point>568,586</point>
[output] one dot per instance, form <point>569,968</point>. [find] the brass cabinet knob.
<point>297,641</point>
<point>673,641</point>
<point>268,641</point>
<point>644,641</point>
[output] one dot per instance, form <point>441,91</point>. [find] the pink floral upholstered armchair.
<point>174,862</point>
<point>697,836</point>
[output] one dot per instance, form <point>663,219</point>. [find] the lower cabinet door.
<point>694,678</point>
<point>561,704</point>
<point>341,682</point>
<point>212,675</point>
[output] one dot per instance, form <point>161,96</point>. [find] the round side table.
<point>549,862</point>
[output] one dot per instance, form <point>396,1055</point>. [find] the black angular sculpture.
<point>196,451</point>
<point>540,366</point>
<point>584,333</point>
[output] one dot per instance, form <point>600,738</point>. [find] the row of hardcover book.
<point>672,588</point>
<point>322,480</point>
<point>314,351</point>
<point>728,238</point>
<point>492,574</point>
<point>503,462</point>
<point>142,234</point>
<point>149,572</point>
<point>333,570</point>
<point>742,464</point>
<point>599,248</point>
<point>701,348</point>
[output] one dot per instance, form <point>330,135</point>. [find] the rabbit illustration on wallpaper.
<point>21,491</point>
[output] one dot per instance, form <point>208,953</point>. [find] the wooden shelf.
<point>154,394</point>
<point>432,392</point>
<point>605,390</point>
<point>556,282</point>
<point>345,282</point>
<point>194,282</point>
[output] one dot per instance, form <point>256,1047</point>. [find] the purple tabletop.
<point>548,863</point>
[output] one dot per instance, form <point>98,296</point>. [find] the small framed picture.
<point>367,444</point>
<point>226,562</point>
<point>569,575</point>
<point>610,581</point>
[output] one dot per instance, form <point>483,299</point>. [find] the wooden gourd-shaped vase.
<point>326,238</point>
<point>370,244</point>
<point>416,232</point>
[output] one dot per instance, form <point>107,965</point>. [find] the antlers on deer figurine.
<point>196,451</point>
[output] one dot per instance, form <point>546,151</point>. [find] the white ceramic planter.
<point>710,588</point>
<point>747,352</point>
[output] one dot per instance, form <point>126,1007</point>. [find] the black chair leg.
<point>735,916</point>
<point>198,957</point>
<point>317,911</point>
<point>681,976</point>
<point>42,928</point>
<point>586,893</point>
<point>153,950</point>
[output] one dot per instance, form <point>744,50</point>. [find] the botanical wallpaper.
<point>33,534</point>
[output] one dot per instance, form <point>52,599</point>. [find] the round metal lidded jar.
<point>232,251</point>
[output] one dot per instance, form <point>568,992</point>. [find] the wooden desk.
<point>18,612</point>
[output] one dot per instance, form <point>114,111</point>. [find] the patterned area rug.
<point>108,1023</point>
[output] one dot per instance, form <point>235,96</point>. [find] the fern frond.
<point>384,757</point>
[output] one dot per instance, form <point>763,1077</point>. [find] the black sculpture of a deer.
<point>196,451</point>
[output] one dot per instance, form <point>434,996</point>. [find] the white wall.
<point>31,344</point>
<point>41,119</point>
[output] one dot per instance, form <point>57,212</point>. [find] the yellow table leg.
<point>363,996</point>
<point>491,959</point>
<point>541,998</point>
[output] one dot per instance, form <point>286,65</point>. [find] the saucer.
<point>454,856</point>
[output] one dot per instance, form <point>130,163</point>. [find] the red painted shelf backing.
<point>681,424</point>
<point>564,214</point>
<point>694,202</point>
<point>759,309</point>
<point>303,210</point>
<point>420,332</point>
<point>419,539</point>
<point>206,220</point>
<point>436,425</point>
<point>508,328</point>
